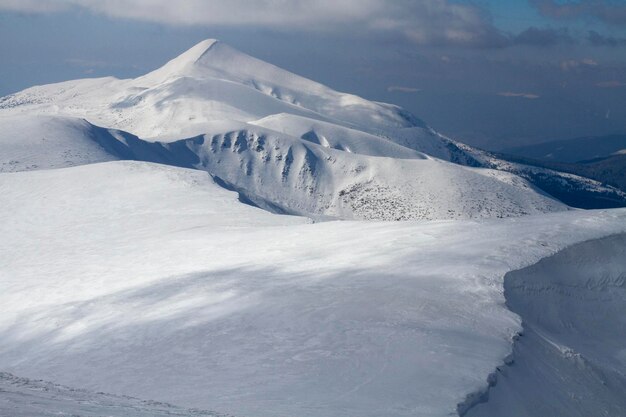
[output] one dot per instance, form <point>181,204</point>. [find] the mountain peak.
<point>193,54</point>
<point>212,59</point>
<point>183,63</point>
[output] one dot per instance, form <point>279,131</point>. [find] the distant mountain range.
<point>602,158</point>
<point>573,150</point>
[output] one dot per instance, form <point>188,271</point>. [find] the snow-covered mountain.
<point>210,82</point>
<point>286,143</point>
<point>129,263</point>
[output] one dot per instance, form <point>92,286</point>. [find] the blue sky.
<point>492,73</point>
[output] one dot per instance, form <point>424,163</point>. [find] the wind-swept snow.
<point>337,137</point>
<point>302,177</point>
<point>571,359</point>
<point>23,397</point>
<point>42,142</point>
<point>150,281</point>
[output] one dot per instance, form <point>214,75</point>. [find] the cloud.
<point>611,84</point>
<point>529,96</point>
<point>421,22</point>
<point>543,37</point>
<point>589,62</point>
<point>572,64</point>
<point>612,13</point>
<point>79,62</point>
<point>36,6</point>
<point>401,89</point>
<point>597,39</point>
<point>438,22</point>
<point>424,22</point>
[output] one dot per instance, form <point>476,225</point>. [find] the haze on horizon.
<point>490,73</point>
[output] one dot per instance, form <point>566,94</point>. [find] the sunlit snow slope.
<point>147,280</point>
<point>23,397</point>
<point>43,142</point>
<point>571,359</point>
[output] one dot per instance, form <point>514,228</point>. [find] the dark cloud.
<point>543,37</point>
<point>596,39</point>
<point>611,84</point>
<point>402,89</point>
<point>444,23</point>
<point>610,12</point>
<point>530,96</point>
<point>435,23</point>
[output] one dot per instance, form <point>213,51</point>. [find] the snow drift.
<point>570,360</point>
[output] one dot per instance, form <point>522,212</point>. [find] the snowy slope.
<point>41,142</point>
<point>151,281</point>
<point>212,59</point>
<point>334,136</point>
<point>23,397</point>
<point>570,188</point>
<point>298,176</point>
<point>571,360</point>
<point>127,190</point>
<point>35,142</point>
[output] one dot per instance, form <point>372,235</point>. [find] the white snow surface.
<point>334,136</point>
<point>306,178</point>
<point>571,359</point>
<point>42,142</point>
<point>23,397</point>
<point>145,280</point>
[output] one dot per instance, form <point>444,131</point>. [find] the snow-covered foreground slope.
<point>123,192</point>
<point>23,397</point>
<point>150,281</point>
<point>571,360</point>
